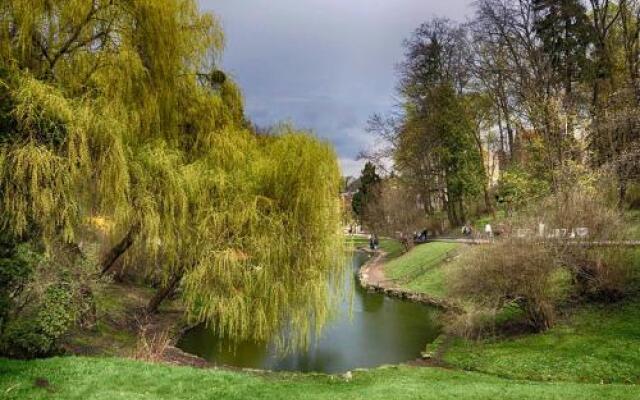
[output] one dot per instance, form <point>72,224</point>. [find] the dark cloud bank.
<point>325,65</point>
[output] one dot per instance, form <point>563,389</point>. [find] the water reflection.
<point>378,330</point>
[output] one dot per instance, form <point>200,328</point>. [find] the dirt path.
<point>373,272</point>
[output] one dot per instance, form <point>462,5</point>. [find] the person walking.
<point>488,231</point>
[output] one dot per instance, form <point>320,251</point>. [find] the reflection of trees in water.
<point>204,342</point>
<point>380,330</point>
<point>371,302</point>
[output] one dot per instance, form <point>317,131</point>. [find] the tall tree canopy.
<point>436,149</point>
<point>114,117</point>
<point>524,88</point>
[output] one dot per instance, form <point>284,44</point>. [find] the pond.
<point>369,330</point>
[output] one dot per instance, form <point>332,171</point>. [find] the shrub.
<point>604,273</point>
<point>43,298</point>
<point>583,200</point>
<point>511,271</point>
<point>632,197</point>
<point>537,268</point>
<point>475,322</point>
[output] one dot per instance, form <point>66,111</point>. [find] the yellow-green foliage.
<point>114,121</point>
<point>272,243</point>
<point>48,165</point>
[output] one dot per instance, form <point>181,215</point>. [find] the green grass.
<point>392,247</point>
<point>596,344</point>
<point>422,269</point>
<point>114,379</point>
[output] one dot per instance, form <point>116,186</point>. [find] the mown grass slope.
<point>422,269</point>
<point>114,379</point>
<point>598,343</point>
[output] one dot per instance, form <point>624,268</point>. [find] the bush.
<point>151,346</point>
<point>16,268</point>
<point>475,322</point>
<point>603,274</point>
<point>544,261</point>
<point>517,188</point>
<point>632,197</point>
<point>511,271</point>
<point>42,299</point>
<point>584,200</point>
<point>35,331</point>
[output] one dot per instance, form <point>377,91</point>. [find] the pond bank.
<point>371,276</point>
<point>117,329</point>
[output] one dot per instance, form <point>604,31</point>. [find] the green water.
<point>378,330</point>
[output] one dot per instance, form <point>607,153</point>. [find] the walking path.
<point>372,273</point>
<point>599,243</point>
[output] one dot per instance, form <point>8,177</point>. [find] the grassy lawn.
<point>422,269</point>
<point>596,344</point>
<point>113,379</point>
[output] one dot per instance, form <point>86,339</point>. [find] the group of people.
<point>373,241</point>
<point>467,230</point>
<point>421,237</point>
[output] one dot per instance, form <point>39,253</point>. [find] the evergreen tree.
<point>563,28</point>
<point>369,180</point>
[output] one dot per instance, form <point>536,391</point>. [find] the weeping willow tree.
<point>278,247</point>
<point>115,111</point>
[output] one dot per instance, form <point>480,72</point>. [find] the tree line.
<point>491,109</point>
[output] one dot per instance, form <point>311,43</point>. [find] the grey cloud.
<point>326,65</point>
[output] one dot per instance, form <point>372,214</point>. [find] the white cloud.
<point>351,167</point>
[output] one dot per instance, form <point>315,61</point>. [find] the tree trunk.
<point>462,217</point>
<point>622,193</point>
<point>487,200</point>
<point>509,127</point>
<point>119,249</point>
<point>163,293</point>
<point>485,170</point>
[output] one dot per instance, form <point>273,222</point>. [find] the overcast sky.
<point>325,65</point>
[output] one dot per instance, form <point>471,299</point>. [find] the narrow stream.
<point>379,330</point>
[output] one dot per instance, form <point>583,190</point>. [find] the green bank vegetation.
<point>422,269</point>
<point>393,248</point>
<point>595,343</point>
